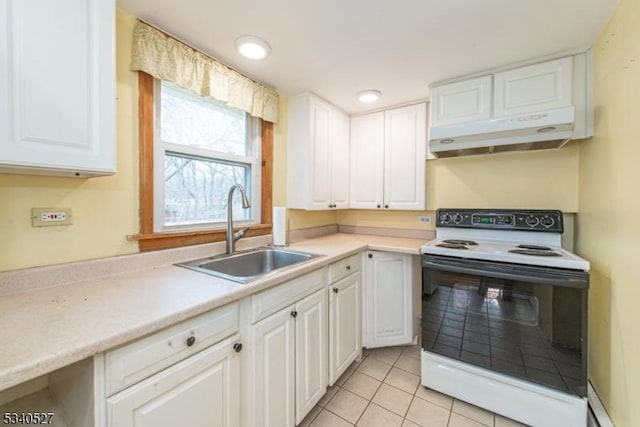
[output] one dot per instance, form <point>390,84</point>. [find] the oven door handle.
<point>498,270</point>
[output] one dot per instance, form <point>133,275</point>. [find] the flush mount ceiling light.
<point>252,47</point>
<point>368,96</point>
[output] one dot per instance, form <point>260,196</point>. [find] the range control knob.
<point>547,221</point>
<point>457,218</point>
<point>532,221</point>
<point>445,218</point>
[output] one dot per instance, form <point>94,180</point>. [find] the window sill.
<point>175,239</point>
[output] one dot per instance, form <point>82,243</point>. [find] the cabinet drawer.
<point>268,302</point>
<point>344,267</point>
<point>133,362</point>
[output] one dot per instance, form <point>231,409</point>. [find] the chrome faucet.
<point>231,236</point>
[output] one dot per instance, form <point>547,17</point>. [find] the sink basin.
<point>245,267</point>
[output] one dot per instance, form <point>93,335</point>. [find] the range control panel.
<point>501,219</point>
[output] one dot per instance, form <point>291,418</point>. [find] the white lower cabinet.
<point>201,391</point>
<point>311,352</point>
<point>302,336</point>
<point>273,352</point>
<point>388,299</point>
<point>345,331</point>
<point>288,353</point>
<point>187,374</point>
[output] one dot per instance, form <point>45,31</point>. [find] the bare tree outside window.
<point>207,149</point>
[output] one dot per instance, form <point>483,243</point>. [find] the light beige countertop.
<point>44,329</point>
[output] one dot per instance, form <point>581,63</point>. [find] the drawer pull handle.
<point>294,313</point>
<point>348,267</point>
<point>237,347</point>
<point>191,341</point>
<point>370,255</point>
<point>335,290</point>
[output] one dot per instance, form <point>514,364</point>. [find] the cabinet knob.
<point>378,206</point>
<point>294,313</point>
<point>348,267</point>
<point>237,347</point>
<point>191,341</point>
<point>335,290</point>
<point>370,255</point>
<point>386,206</point>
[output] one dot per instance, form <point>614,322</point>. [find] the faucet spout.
<point>231,237</point>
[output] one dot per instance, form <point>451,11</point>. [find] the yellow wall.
<point>386,219</point>
<point>104,209</point>
<point>608,230</point>
<point>546,179</point>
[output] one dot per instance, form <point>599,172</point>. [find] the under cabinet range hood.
<point>531,131</point>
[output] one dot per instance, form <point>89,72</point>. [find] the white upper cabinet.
<point>57,87</point>
<point>318,155</point>
<point>367,161</point>
<point>462,101</point>
<point>388,151</point>
<point>405,131</point>
<point>538,87</point>
<point>340,160</point>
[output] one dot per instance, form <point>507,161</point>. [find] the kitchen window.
<point>192,150</point>
<point>202,148</point>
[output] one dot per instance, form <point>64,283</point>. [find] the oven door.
<point>524,321</point>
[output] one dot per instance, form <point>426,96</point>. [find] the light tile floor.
<point>383,390</point>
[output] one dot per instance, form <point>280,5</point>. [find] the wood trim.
<point>146,125</point>
<point>166,240</point>
<point>267,173</point>
<point>147,239</point>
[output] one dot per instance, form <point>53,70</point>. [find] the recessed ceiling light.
<point>368,96</point>
<point>252,47</point>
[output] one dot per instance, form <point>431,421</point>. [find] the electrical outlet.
<point>424,219</point>
<point>45,217</point>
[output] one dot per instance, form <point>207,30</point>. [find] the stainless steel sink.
<point>245,267</point>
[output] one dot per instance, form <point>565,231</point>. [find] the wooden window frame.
<point>149,240</point>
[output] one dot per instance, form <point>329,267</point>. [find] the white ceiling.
<point>336,48</point>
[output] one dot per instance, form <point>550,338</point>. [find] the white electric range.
<point>504,322</point>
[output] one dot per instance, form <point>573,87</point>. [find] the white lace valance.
<point>166,58</point>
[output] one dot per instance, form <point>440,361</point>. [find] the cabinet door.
<point>405,157</point>
<point>461,102</point>
<point>311,352</point>
<point>272,371</point>
<point>57,87</point>
<point>201,391</point>
<point>534,88</point>
<point>321,161</point>
<point>388,308</point>
<point>367,161</point>
<point>339,160</point>
<point>345,332</point>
